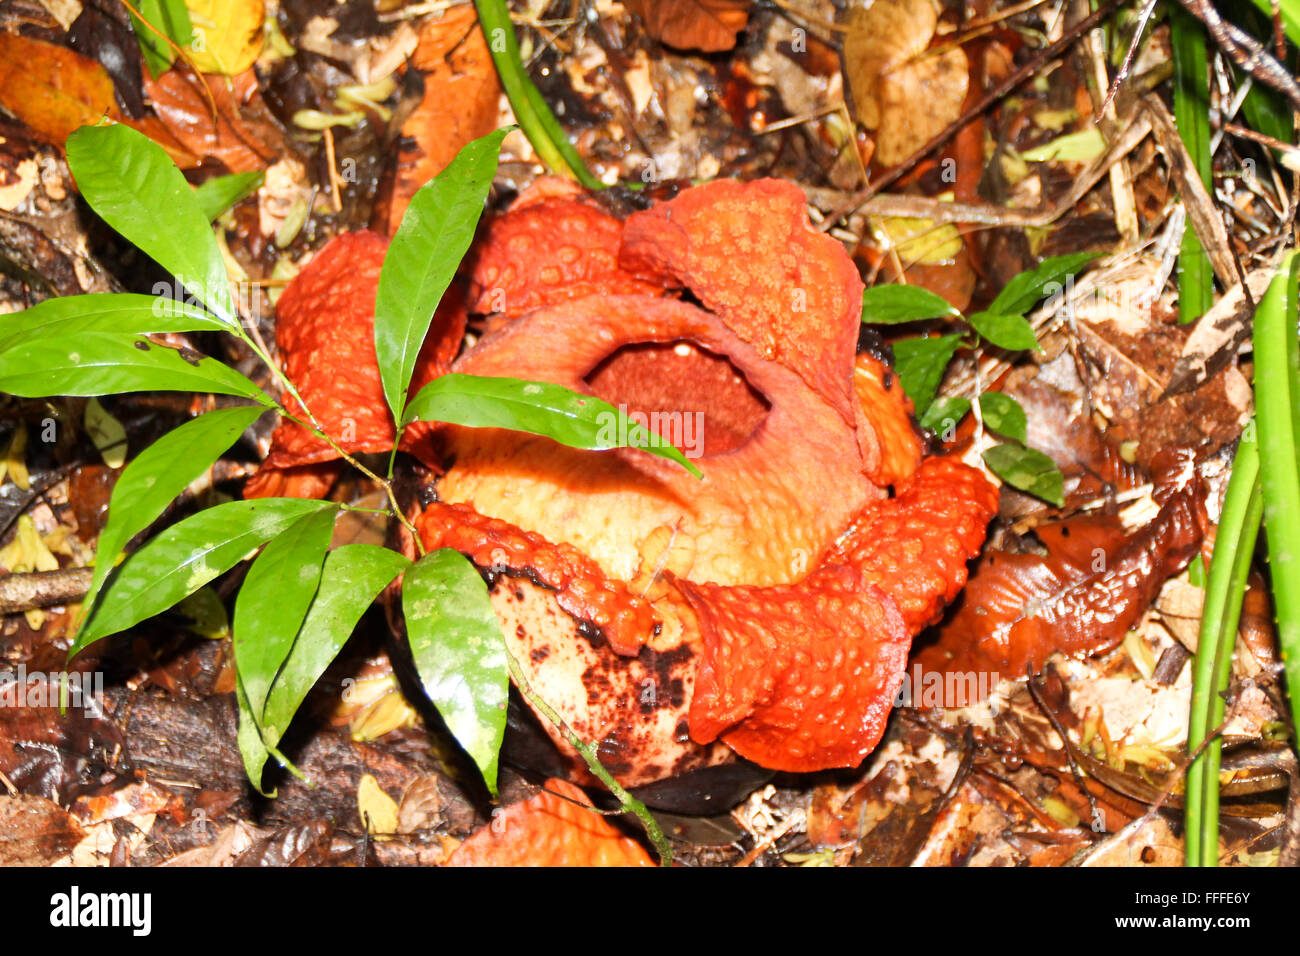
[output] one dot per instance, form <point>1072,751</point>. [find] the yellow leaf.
<point>15,463</point>
<point>227,34</point>
<point>1080,147</point>
<point>921,241</point>
<point>378,810</point>
<point>107,433</point>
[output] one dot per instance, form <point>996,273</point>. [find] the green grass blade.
<point>535,117</point>
<point>1192,115</point>
<point>1233,549</point>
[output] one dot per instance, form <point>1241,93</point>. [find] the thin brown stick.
<point>992,96</point>
<point>26,592</point>
<point>1245,51</point>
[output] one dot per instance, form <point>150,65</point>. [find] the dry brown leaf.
<point>51,88</point>
<point>901,89</point>
<point>707,25</point>
<point>461,92</point>
<point>35,831</point>
<point>244,136</point>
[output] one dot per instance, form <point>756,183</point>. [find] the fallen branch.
<point>26,592</point>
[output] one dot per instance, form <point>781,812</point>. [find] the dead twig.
<point>1245,51</point>
<point>26,592</point>
<point>1008,84</point>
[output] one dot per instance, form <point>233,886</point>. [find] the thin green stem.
<point>1277,398</point>
<point>535,118</point>
<point>1192,116</point>
<point>313,425</point>
<point>1234,548</point>
<point>627,802</point>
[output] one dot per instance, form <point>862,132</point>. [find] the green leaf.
<point>1011,332</point>
<point>1029,470</point>
<point>892,304</point>
<point>219,194</point>
<point>106,363</point>
<point>459,653</point>
<point>1290,14</point>
<point>351,579</point>
<point>435,233</point>
<point>133,185</point>
<point>158,474</point>
<point>540,408</point>
<point>1003,414</point>
<point>273,603</point>
<point>180,560</point>
<point>172,18</point>
<point>104,312</point>
<point>945,413</point>
<point>1024,291</point>
<point>248,737</point>
<point>920,364</point>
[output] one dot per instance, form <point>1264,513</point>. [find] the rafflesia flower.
<point>765,611</point>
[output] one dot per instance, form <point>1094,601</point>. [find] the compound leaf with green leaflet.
<point>1012,332</point>
<point>540,408</point>
<point>350,580</point>
<point>106,363</point>
<point>135,187</point>
<point>1003,414</point>
<point>892,304</point>
<point>435,233</point>
<point>920,364</point>
<point>178,561</point>
<point>274,599</point>
<point>459,652</point>
<point>157,475</point>
<point>1024,291</point>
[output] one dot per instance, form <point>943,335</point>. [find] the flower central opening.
<point>690,396</point>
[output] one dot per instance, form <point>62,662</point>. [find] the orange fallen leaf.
<point>243,138</point>
<point>707,25</point>
<point>52,89</point>
<point>554,828</point>
<point>461,92</point>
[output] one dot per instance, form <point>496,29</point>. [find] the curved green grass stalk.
<point>1234,547</point>
<point>1277,397</point>
<point>1265,483</point>
<point>535,117</point>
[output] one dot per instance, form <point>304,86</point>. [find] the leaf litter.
<point>350,114</point>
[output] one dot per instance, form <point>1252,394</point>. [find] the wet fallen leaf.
<point>891,73</point>
<point>707,25</point>
<point>1080,597</point>
<point>461,93</point>
<point>51,88</point>
<point>244,137</point>
<point>35,831</point>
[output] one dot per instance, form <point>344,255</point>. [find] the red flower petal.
<point>325,329</point>
<point>805,675</point>
<point>582,589</point>
<point>747,252</point>
<point>549,248</point>
<point>554,828</point>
